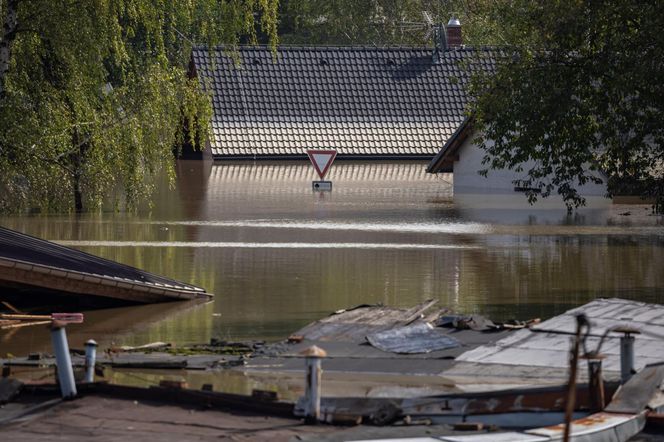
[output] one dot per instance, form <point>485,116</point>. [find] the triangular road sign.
<point>322,160</point>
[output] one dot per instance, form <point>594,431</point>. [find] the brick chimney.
<point>453,30</point>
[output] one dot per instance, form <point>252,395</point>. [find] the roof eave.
<point>444,160</point>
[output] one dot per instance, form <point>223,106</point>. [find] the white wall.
<point>500,182</point>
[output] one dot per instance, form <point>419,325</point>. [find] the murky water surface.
<point>277,255</point>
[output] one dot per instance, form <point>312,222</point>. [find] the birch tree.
<point>94,94</point>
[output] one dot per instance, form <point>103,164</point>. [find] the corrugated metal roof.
<point>550,350</point>
<point>384,102</point>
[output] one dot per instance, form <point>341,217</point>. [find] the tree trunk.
<point>8,35</point>
<point>77,159</point>
<point>78,194</point>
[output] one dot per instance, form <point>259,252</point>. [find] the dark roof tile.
<point>383,101</point>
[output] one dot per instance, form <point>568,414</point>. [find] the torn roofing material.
<point>353,325</point>
<point>344,335</point>
<point>415,338</point>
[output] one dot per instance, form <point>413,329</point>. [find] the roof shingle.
<point>385,102</point>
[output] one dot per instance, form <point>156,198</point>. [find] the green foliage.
<point>382,22</point>
<point>95,95</point>
<point>579,91</point>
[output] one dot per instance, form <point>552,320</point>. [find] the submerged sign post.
<point>322,160</point>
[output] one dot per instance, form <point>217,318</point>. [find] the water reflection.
<point>513,208</point>
<point>277,255</point>
<point>189,321</point>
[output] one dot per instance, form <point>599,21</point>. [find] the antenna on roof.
<point>348,37</point>
<point>432,28</point>
<point>439,36</point>
<point>184,37</point>
<point>428,18</point>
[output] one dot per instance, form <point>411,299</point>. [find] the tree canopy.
<point>579,91</point>
<point>382,22</point>
<point>94,94</point>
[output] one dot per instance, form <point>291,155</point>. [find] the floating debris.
<point>416,338</point>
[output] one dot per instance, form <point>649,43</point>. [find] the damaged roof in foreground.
<point>542,351</point>
<point>361,101</point>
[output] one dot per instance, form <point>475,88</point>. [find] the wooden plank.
<point>417,312</point>
<point>24,324</point>
<point>638,391</point>
<point>25,317</point>
<point>11,307</point>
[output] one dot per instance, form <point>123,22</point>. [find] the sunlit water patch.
<point>257,245</point>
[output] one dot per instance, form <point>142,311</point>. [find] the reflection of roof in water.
<point>386,102</point>
<point>362,180</point>
<point>340,171</point>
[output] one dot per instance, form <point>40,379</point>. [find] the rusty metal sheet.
<point>539,400</point>
<point>496,437</point>
<point>403,439</point>
<point>597,427</point>
<point>416,338</point>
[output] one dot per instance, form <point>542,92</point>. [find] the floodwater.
<point>277,256</point>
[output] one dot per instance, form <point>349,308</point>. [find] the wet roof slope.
<point>18,246</point>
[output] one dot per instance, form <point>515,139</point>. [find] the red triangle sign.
<point>322,160</point>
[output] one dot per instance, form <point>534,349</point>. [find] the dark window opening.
<point>527,189</point>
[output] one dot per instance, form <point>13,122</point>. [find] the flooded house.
<point>462,156</point>
<point>364,102</point>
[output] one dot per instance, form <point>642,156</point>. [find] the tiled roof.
<point>387,102</point>
<point>444,160</point>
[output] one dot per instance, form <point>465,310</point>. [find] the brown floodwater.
<point>276,255</point>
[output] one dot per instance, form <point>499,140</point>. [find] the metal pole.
<point>312,394</point>
<point>63,360</point>
<point>595,385</point>
<point>581,321</point>
<point>626,357</point>
<point>90,358</point>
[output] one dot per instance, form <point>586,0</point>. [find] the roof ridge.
<point>347,48</point>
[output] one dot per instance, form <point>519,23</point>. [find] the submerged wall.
<point>467,180</point>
